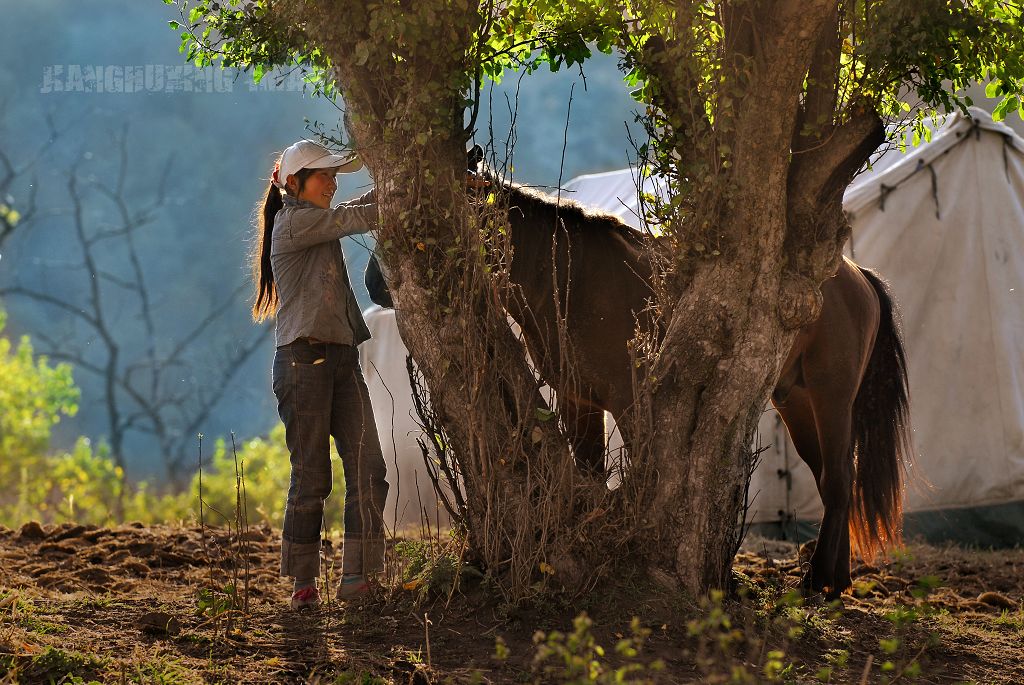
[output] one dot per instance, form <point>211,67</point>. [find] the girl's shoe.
<point>353,587</point>
<point>307,597</point>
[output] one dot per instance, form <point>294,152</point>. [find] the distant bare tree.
<point>12,212</point>
<point>141,384</point>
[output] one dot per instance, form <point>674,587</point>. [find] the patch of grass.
<point>973,627</point>
<point>1014,620</point>
<point>93,603</point>
<point>41,627</point>
<point>197,639</point>
<point>358,678</point>
<point>427,568</point>
<point>162,672</point>
<point>61,665</point>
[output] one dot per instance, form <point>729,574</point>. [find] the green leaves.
<point>937,47</point>
<point>1010,104</point>
<point>245,36</point>
<point>33,397</point>
<point>528,35</point>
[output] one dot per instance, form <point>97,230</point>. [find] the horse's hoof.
<point>835,596</point>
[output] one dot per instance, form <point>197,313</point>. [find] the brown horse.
<point>842,391</point>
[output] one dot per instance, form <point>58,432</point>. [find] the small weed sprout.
<point>576,658</point>
<point>501,650</point>
<point>838,661</point>
<point>898,661</point>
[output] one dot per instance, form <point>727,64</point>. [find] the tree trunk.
<point>526,503</point>
<point>734,319</point>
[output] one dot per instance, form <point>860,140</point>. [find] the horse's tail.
<point>881,435</point>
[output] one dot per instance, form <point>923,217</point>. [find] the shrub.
<point>33,397</point>
<point>83,484</point>
<point>266,467</point>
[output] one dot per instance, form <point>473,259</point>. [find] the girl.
<point>300,276</point>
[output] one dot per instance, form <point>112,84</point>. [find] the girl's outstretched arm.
<point>300,227</point>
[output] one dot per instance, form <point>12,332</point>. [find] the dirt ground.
<point>149,605</point>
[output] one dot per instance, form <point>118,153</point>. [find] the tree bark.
<point>737,315</point>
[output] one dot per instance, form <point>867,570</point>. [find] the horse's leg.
<point>798,415</point>
<point>818,415</point>
<point>584,424</point>
<point>830,563</point>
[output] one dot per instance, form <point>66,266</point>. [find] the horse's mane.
<point>576,218</point>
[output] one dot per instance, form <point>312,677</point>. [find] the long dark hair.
<point>265,291</point>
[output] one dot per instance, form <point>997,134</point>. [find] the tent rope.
<point>1007,142</point>
<point>935,190</point>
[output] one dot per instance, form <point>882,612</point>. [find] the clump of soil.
<point>177,604</point>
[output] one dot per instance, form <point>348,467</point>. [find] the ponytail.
<point>265,292</point>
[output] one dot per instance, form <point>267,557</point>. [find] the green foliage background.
<point>84,484</point>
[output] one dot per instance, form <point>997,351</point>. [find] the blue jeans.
<point>321,394</point>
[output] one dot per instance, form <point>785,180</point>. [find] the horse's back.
<point>603,282</point>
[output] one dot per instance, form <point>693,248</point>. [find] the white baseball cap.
<point>306,154</point>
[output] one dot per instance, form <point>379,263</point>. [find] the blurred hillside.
<point>217,135</point>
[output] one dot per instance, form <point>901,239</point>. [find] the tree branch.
<point>46,298</point>
<point>815,119</point>
<point>819,175</point>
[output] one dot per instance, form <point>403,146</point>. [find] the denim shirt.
<point>315,298</point>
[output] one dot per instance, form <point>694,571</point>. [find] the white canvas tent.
<point>944,225</point>
<point>411,499</point>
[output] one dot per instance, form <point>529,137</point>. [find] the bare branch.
<point>116,280</point>
<point>46,298</point>
<point>201,413</point>
<point>211,317</point>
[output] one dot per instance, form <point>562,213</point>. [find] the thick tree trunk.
<point>733,324</point>
<point>522,490</point>
<point>720,359</point>
<point>526,503</point>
